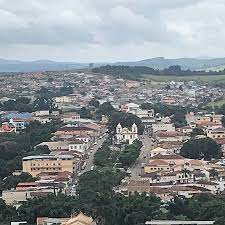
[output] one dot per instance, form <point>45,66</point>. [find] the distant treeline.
<point>136,72</point>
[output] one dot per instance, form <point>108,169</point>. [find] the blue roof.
<point>25,115</point>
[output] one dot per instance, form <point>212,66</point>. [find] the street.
<point>136,169</point>
<point>90,160</point>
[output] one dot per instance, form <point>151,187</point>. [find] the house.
<point>171,159</point>
<point>157,165</point>
<point>157,151</point>
<point>212,186</point>
<point>19,124</point>
<point>75,145</point>
<point>17,197</point>
<point>42,119</point>
<point>62,99</point>
<point>28,190</point>
<point>70,117</point>
<point>41,113</point>
<point>73,131</point>
<point>125,134</point>
<point>19,223</point>
<point>186,130</point>
<point>130,107</point>
<point>132,84</point>
<point>168,127</point>
<point>80,219</point>
<point>141,113</point>
<point>217,119</point>
<point>169,136</point>
<point>7,128</point>
<point>218,133</point>
<point>178,177</point>
<point>188,191</point>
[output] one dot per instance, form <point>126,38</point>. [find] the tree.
<point>12,181</point>
<point>45,93</point>
<point>105,109</point>
<point>197,131</point>
<point>213,173</point>
<point>66,90</point>
<point>200,207</point>
<point>126,120</point>
<point>42,149</point>
<point>7,213</point>
<point>43,103</point>
<point>23,100</point>
<point>130,154</point>
<point>85,113</point>
<point>50,206</point>
<point>221,110</point>
<point>94,103</point>
<point>179,119</point>
<point>102,156</point>
<point>223,121</point>
<point>205,148</point>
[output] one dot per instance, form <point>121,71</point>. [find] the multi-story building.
<point>50,163</point>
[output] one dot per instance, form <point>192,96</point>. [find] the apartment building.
<point>50,163</point>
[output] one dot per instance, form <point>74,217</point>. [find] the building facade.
<point>49,163</point>
<point>125,134</point>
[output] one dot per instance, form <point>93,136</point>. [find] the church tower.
<point>118,128</point>
<point>134,128</point>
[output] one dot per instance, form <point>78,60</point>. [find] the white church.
<point>124,134</point>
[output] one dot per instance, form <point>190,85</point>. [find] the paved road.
<point>89,163</point>
<point>136,169</point>
<point>90,160</point>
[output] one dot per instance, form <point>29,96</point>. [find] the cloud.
<point>116,29</point>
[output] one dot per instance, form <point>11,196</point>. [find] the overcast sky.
<point>111,30</point>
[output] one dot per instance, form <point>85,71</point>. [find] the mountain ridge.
<point>7,65</point>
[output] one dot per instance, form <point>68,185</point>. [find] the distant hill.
<point>185,63</point>
<point>155,63</point>
<point>39,65</point>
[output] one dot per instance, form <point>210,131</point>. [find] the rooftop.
<point>32,157</point>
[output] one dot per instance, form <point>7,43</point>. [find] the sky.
<point>111,30</point>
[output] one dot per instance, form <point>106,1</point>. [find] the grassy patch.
<point>217,103</point>
<point>208,78</point>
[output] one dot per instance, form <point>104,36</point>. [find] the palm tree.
<point>213,173</point>
<point>186,172</point>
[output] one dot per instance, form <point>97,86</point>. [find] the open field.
<point>209,78</point>
<point>217,103</point>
